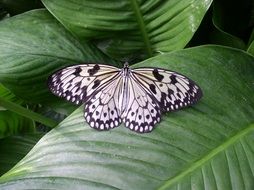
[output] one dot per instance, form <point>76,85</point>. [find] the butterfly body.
<point>136,97</point>
<point>123,97</point>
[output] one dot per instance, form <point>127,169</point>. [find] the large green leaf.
<point>14,148</point>
<point>132,25</point>
<point>32,46</point>
<point>208,146</point>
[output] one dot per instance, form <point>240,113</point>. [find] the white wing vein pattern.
<point>171,90</point>
<point>142,111</point>
<point>111,95</point>
<point>78,83</point>
<point>101,110</point>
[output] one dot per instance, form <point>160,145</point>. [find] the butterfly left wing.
<point>79,82</point>
<point>101,110</point>
<point>172,90</point>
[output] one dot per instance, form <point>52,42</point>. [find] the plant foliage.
<point>207,146</point>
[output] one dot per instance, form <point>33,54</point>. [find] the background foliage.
<point>207,146</point>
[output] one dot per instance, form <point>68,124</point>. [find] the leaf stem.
<point>27,113</point>
<point>141,24</point>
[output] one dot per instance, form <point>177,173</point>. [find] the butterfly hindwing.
<point>172,90</point>
<point>142,111</point>
<point>77,83</point>
<point>101,110</point>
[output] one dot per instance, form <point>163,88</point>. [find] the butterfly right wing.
<point>79,82</point>
<point>142,111</point>
<point>171,89</point>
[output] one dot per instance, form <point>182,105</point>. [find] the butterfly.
<point>135,97</point>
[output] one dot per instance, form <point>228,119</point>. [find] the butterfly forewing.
<point>78,83</point>
<point>172,90</point>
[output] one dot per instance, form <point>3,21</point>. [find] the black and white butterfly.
<point>136,97</point>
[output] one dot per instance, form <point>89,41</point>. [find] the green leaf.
<point>220,37</point>
<point>32,46</point>
<point>231,23</point>
<point>252,34</point>
<point>3,12</point>
<point>6,94</point>
<point>207,146</point>
<point>14,148</point>
<point>27,113</point>
<point>20,6</point>
<point>251,48</point>
<point>234,19</point>
<point>251,43</point>
<point>11,123</point>
<point>130,25</point>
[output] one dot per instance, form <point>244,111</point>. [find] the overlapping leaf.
<point>208,146</point>
<point>132,25</point>
<point>232,23</point>
<point>34,44</point>
<point>11,123</point>
<point>14,148</point>
<point>19,6</point>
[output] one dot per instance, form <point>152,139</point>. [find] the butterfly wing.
<point>109,100</point>
<point>77,83</point>
<point>101,110</point>
<point>172,90</point>
<point>142,111</point>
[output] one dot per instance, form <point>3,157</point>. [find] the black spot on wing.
<point>96,67</point>
<point>173,79</point>
<point>77,71</point>
<point>94,70</point>
<point>96,84</point>
<point>152,88</point>
<point>157,75</point>
<point>170,91</point>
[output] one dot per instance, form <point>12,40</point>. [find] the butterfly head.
<point>126,65</point>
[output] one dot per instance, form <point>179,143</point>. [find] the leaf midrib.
<point>142,27</point>
<point>207,157</point>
